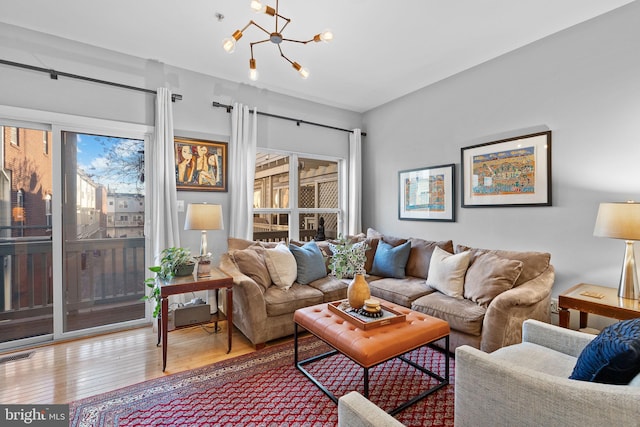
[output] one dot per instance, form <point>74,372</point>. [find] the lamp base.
<point>204,268</point>
<point>629,287</point>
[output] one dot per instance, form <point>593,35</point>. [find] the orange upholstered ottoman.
<point>371,347</point>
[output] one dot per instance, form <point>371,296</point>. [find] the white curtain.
<point>162,196</point>
<point>242,170</point>
<point>355,182</point>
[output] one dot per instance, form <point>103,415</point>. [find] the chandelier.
<point>274,37</point>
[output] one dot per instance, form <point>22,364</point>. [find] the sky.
<point>112,162</point>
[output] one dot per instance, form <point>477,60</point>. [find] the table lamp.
<point>202,216</point>
<point>622,221</point>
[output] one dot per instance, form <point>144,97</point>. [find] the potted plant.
<point>174,262</point>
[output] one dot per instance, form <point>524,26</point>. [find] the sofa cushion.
<point>238,244</point>
<point>488,276</point>
<point>446,272</point>
<point>537,357</point>
<point>392,240</point>
<point>420,256</point>
<point>309,262</point>
<point>398,291</point>
<point>533,263</point>
<point>279,301</point>
<point>251,263</point>
<point>370,254</point>
<point>332,288</point>
<point>390,261</point>
<point>463,315</point>
<point>613,357</point>
<point>281,265</point>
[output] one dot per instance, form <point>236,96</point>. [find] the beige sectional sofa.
<point>494,291</point>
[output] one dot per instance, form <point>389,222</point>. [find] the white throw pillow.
<point>282,266</point>
<point>447,271</point>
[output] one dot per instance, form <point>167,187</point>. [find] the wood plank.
<point>72,370</point>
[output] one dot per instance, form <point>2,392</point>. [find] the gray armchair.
<point>355,410</point>
<point>527,385</point>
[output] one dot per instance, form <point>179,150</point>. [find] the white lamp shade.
<point>202,216</point>
<point>618,221</point>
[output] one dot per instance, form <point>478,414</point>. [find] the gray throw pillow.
<point>310,262</point>
<point>391,261</point>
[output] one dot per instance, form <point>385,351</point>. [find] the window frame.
<point>294,211</point>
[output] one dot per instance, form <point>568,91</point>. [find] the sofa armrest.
<point>249,307</point>
<point>502,323</point>
<point>354,410</point>
<point>554,337</point>
<point>531,398</point>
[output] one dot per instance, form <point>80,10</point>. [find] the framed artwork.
<point>427,194</point>
<point>509,172</point>
<point>200,165</point>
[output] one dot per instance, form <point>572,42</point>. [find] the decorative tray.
<point>389,316</point>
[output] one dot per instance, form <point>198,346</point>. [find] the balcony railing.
<point>103,284</point>
<point>26,298</point>
<point>100,271</point>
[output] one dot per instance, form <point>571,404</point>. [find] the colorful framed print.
<point>427,194</point>
<point>200,165</point>
<point>509,172</point>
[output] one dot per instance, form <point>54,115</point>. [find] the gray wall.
<point>584,85</point>
<point>194,116</point>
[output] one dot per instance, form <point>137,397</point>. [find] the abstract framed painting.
<point>200,165</point>
<point>427,194</point>
<point>510,172</point>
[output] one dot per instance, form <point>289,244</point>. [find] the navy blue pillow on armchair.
<point>613,357</point>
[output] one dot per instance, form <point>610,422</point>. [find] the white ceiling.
<point>382,49</point>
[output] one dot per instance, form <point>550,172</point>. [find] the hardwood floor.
<point>72,370</point>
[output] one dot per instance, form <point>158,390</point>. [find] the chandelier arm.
<point>284,26</point>
<point>277,15</point>
<point>252,22</point>
<point>298,41</point>
<point>284,56</point>
<point>258,42</point>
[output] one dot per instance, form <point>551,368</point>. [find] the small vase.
<point>358,291</point>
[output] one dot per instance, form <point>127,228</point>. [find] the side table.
<point>181,285</point>
<point>595,299</point>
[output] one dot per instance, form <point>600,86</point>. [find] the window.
<point>296,196</point>
<point>13,136</point>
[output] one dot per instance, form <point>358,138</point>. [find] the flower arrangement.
<point>348,258</point>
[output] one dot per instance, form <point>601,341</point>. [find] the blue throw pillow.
<point>613,357</point>
<point>310,262</point>
<point>390,261</point>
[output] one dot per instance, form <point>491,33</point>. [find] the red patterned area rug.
<point>265,389</point>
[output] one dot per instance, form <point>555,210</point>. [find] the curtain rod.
<point>298,121</point>
<point>53,74</point>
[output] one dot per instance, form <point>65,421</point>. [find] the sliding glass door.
<point>103,230</point>
<point>72,216</point>
<point>26,191</point>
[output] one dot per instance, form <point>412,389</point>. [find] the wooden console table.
<point>182,285</point>
<point>595,299</point>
